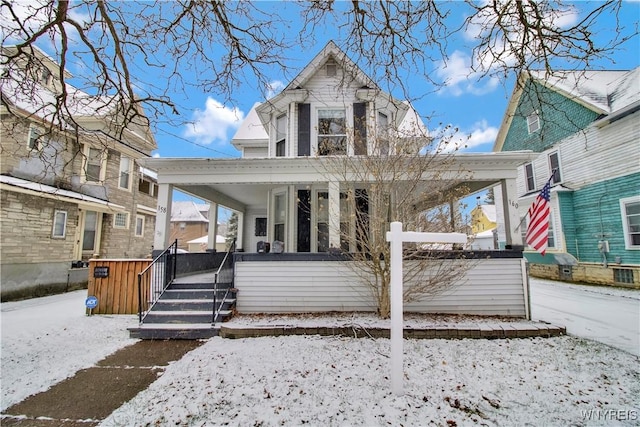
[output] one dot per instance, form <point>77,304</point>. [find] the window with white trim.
<point>630,210</point>
<point>279,217</point>
<point>139,225</point>
<point>281,136</point>
<point>332,132</point>
<point>383,134</point>
<point>529,178</point>
<point>59,230</point>
<point>126,170</point>
<point>94,164</point>
<point>121,220</point>
<point>554,167</point>
<point>551,240</point>
<point>533,122</point>
<point>34,140</point>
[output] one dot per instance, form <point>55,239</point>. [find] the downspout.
<point>601,246</point>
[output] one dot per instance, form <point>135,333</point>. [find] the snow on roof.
<point>205,239</point>
<point>59,193</point>
<point>251,129</point>
<point>606,90</point>
<point>186,211</point>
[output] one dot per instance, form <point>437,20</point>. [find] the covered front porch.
<point>297,202</point>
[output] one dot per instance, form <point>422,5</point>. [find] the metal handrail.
<point>216,311</point>
<point>151,275</point>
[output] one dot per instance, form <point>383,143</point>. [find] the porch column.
<point>163,217</point>
<point>240,232</point>
<point>213,226</point>
<point>510,209</point>
<point>334,214</point>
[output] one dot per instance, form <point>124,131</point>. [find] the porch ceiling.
<point>240,183</point>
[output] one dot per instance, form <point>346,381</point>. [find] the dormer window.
<point>281,136</point>
<point>533,122</point>
<point>332,132</point>
<point>33,141</point>
<point>383,134</point>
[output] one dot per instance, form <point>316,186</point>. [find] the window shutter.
<point>360,128</point>
<point>304,129</point>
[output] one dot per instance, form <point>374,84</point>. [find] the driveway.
<point>607,315</point>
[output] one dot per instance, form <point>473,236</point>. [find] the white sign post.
<point>396,237</point>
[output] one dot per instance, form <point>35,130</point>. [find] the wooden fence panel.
<point>117,293</point>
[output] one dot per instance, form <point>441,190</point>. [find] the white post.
<point>396,237</point>
<point>397,326</point>
<point>212,234</point>
<point>163,217</point>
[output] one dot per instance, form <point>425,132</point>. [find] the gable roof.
<point>186,211</point>
<point>604,92</point>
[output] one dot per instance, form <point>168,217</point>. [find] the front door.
<point>88,242</point>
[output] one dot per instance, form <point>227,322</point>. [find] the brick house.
<point>585,127</point>
<point>69,193</point>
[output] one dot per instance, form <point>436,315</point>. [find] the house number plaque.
<point>101,272</point>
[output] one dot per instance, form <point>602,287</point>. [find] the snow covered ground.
<point>328,380</point>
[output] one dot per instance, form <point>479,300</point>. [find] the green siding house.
<point>586,128</point>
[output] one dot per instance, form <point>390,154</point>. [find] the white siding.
<point>299,287</point>
<point>255,152</point>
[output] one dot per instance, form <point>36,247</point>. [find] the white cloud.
<point>459,78</point>
<point>452,138</point>
<point>274,87</point>
<point>213,123</point>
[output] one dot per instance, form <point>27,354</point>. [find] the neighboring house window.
<point>332,132</point>
<point>94,164</point>
<point>331,68</point>
<point>34,134</point>
<point>554,167</point>
<point>533,122</point>
<point>46,78</point>
<point>528,176</point>
<point>630,209</point>
<point>183,225</point>
<point>139,225</point>
<point>146,187</point>
<point>121,220</point>
<point>551,241</point>
<point>383,134</point>
<point>279,217</point>
<point>345,221</point>
<point>90,231</point>
<point>59,225</point>
<point>126,170</point>
<point>281,136</point>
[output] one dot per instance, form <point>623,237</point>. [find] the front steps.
<point>185,310</point>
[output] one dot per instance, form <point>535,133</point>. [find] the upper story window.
<point>139,226</point>
<point>630,209</point>
<point>383,134</point>
<point>281,136</point>
<point>533,122</point>
<point>126,170</point>
<point>147,187</point>
<point>94,164</point>
<point>554,167</point>
<point>46,78</point>
<point>331,68</point>
<point>34,140</point>
<point>332,132</point>
<point>528,176</point>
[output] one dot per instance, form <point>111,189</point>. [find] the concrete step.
<point>167,331</point>
<point>190,304</point>
<point>173,294</point>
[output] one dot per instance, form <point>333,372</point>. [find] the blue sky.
<point>473,105</point>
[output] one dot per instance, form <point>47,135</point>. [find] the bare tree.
<point>227,44</point>
<point>405,175</point>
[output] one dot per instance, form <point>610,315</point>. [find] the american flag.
<point>538,230</point>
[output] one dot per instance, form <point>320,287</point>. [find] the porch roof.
<point>238,183</point>
<point>9,183</point>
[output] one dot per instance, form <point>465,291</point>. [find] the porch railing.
<point>154,279</point>
<point>224,274</point>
